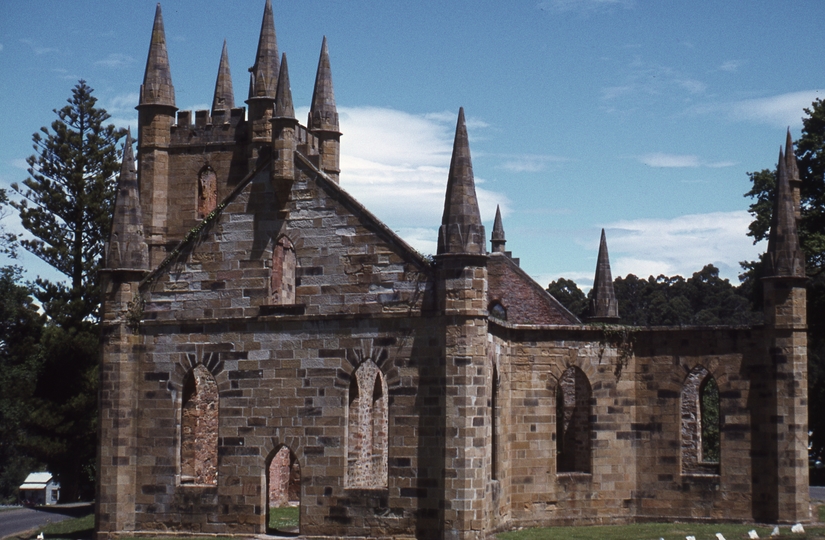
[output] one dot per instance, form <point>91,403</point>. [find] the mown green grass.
<point>820,512</point>
<point>284,518</point>
<point>655,531</point>
<point>77,528</point>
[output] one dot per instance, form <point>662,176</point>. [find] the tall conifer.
<point>66,205</point>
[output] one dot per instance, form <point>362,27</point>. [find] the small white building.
<point>40,488</point>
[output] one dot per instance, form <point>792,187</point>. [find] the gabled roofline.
<point>410,253</point>
<point>210,217</point>
<point>541,290</point>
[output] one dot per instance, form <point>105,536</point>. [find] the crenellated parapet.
<point>203,128</point>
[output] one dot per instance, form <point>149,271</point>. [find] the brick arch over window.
<point>199,428</point>
<point>573,425</point>
<point>282,278</point>
<point>700,429</point>
<point>207,191</point>
<point>367,428</point>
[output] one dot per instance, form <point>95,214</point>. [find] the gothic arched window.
<point>282,278</point>
<point>199,428</point>
<point>207,191</point>
<point>573,429</point>
<point>700,423</point>
<point>367,428</point>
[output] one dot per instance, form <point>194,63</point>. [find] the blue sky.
<point>641,117</point>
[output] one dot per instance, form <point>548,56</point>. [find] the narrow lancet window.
<point>367,440</point>
<point>282,280</point>
<point>207,191</point>
<point>573,429</point>
<point>700,423</point>
<point>199,428</point>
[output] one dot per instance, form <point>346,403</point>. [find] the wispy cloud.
<point>782,110</point>
<point>115,61</point>
<point>643,79</point>
<point>396,164</point>
<point>647,247</point>
<point>660,160</point>
<point>122,109</point>
<point>528,162</point>
<point>585,5</point>
<point>730,66</point>
<point>37,48</point>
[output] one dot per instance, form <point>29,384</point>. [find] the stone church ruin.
<point>269,342</point>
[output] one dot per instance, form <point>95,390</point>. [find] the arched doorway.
<point>283,489</point>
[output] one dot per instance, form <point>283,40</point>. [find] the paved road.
<point>23,519</point>
<point>818,493</point>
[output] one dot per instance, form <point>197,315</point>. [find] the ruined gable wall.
<point>666,487</point>
<point>343,264</point>
<point>285,382</point>
<point>534,490</point>
<point>636,451</point>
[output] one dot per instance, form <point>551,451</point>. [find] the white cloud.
<point>424,239</point>
<point>584,5</point>
<point>730,66</point>
<point>642,79</point>
<point>38,49</point>
<point>115,60</point>
<point>122,110</point>
<point>661,160</point>
<point>669,160</point>
<point>528,162</point>
<point>677,246</point>
<point>396,164</point>
<point>20,164</point>
<point>780,111</point>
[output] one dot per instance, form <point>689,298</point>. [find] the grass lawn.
<point>654,531</point>
<point>76,529</point>
<point>284,519</point>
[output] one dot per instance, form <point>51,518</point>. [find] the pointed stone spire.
<point>264,74</point>
<point>323,115</point>
<point>793,176</point>
<point>784,254</point>
<point>604,307</point>
<point>283,96</point>
<point>127,245</point>
<point>461,230</point>
<point>224,99</point>
<point>157,86</point>
<point>498,240</point>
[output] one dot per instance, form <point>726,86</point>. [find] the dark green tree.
<point>20,329</point>
<point>66,205</point>
<point>810,153</point>
<point>568,293</point>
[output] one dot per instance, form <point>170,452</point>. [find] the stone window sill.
<point>282,309</point>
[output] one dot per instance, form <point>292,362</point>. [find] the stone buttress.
<point>786,499</point>
<point>461,265</point>
<point>127,262</point>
